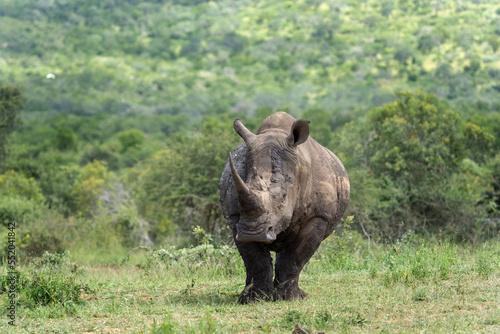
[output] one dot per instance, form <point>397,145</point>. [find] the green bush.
<point>13,183</point>
<point>131,139</point>
<point>53,288</point>
<point>53,260</point>
<point>213,259</point>
<point>38,230</point>
<point>11,103</point>
<point>20,210</point>
<point>50,280</point>
<point>22,202</point>
<point>100,153</point>
<point>65,139</point>
<point>89,186</point>
<point>58,185</point>
<point>180,185</point>
<point>222,258</point>
<point>409,156</point>
<point>21,199</point>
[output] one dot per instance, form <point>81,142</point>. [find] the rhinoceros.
<point>280,191</point>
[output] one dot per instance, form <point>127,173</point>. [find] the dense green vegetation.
<point>424,168</point>
<point>116,121</point>
<point>128,110</point>
<point>414,165</point>
<point>186,57</point>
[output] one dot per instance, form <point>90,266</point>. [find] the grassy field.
<point>353,286</point>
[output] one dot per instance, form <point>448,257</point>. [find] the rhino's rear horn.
<point>243,132</point>
<point>249,202</point>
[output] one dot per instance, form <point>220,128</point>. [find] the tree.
<point>179,185</point>
<point>19,197</point>
<point>131,139</point>
<point>386,7</point>
<point>428,41</point>
<point>465,38</point>
<point>11,103</point>
<point>492,124</point>
<point>89,186</point>
<point>444,71</point>
<point>65,139</point>
<point>414,149</point>
<point>474,65</point>
<point>417,138</point>
<point>494,41</point>
<point>320,128</point>
<point>402,54</point>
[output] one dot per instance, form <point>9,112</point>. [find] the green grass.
<point>413,286</point>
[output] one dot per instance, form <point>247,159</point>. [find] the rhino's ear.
<point>244,133</point>
<point>299,133</point>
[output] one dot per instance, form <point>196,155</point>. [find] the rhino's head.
<point>267,199</point>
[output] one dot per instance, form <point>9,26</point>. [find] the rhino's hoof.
<point>290,294</point>
<point>253,295</point>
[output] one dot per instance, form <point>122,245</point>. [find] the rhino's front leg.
<point>259,267</point>
<point>290,263</point>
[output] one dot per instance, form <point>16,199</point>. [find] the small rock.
<point>302,330</point>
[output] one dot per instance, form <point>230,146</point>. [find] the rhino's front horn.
<point>249,202</point>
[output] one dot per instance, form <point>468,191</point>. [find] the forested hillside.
<point>171,57</point>
<point>128,106</point>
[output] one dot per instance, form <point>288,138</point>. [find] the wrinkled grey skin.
<point>280,191</point>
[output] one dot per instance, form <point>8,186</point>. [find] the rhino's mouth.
<point>265,235</point>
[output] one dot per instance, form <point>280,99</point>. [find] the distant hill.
<point>157,57</point>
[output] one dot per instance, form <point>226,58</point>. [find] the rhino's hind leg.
<point>259,267</point>
<point>289,264</point>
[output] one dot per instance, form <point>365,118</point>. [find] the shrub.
<point>54,260</point>
<point>65,139</point>
<point>180,185</point>
<point>11,103</point>
<point>427,42</point>
<point>39,230</point>
<point>58,185</point>
<point>220,258</point>
<point>100,153</point>
<point>50,280</point>
<point>18,209</point>
<point>474,65</point>
<point>16,184</point>
<point>409,153</point>
<point>403,54</point>
<point>131,139</point>
<point>216,260</point>
<point>53,288</point>
<point>89,186</point>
